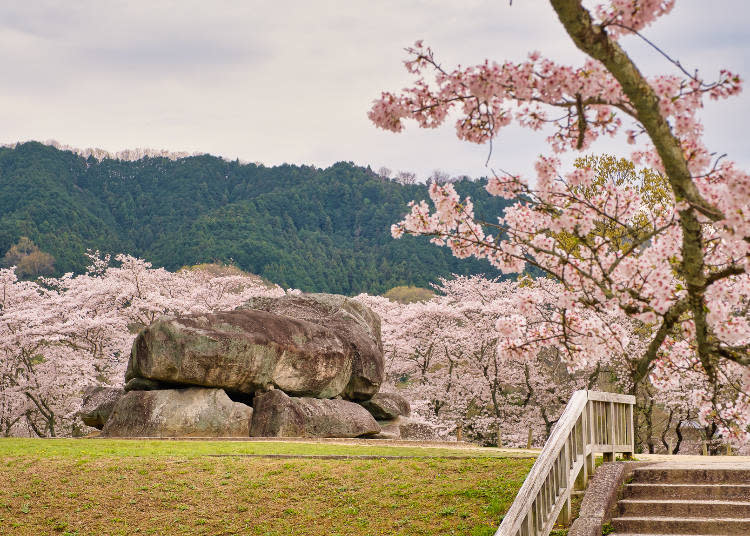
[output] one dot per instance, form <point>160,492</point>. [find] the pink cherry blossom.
<point>681,270</point>
<point>59,336</point>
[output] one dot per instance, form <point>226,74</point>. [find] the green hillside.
<point>299,226</point>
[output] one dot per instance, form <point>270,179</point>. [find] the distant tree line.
<point>438,176</point>
<point>298,226</point>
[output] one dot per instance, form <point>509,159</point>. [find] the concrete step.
<point>679,525</point>
<point>726,492</point>
<point>702,475</point>
<point>684,508</point>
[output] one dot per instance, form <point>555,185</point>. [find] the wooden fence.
<point>593,422</point>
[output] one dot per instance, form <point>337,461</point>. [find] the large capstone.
<point>384,406</point>
<point>97,405</point>
<point>277,415</point>
<point>355,324</point>
<point>191,412</point>
<point>243,351</point>
<point>318,345</point>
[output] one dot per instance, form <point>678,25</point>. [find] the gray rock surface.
<point>245,351</point>
<point>355,324</point>
<point>384,406</point>
<point>97,405</point>
<point>389,429</point>
<point>277,415</point>
<point>417,430</point>
<point>407,429</point>
<point>191,412</point>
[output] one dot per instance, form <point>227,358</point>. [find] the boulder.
<point>407,429</point>
<point>243,351</point>
<point>389,429</point>
<point>355,324</point>
<point>384,406</point>
<point>276,414</point>
<point>418,430</point>
<point>97,405</point>
<point>192,412</point>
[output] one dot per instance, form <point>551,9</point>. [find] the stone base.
<point>194,411</point>
<point>279,415</point>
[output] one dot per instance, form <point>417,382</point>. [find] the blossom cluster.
<point>493,357</point>
<point>485,356</point>
<point>673,256</point>
<point>60,336</point>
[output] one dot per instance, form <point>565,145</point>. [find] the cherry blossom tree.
<point>679,264</point>
<point>419,342</point>
<point>483,357</point>
<point>60,336</point>
<point>476,357</point>
<point>18,347</point>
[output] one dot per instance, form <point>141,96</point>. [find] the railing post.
<point>565,513</point>
<point>589,458</point>
<point>631,434</point>
<point>582,478</point>
<point>529,522</point>
<point>610,415</point>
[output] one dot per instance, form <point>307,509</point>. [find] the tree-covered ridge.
<point>298,226</point>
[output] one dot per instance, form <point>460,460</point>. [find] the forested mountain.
<point>298,226</point>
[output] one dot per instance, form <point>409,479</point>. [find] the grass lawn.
<point>77,487</point>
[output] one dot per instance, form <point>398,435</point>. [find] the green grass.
<point>77,487</point>
<point>158,448</point>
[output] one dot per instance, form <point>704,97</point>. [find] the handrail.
<point>593,422</point>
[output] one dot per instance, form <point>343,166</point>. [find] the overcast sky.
<point>292,81</point>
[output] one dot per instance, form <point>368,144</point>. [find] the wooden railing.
<point>593,422</point>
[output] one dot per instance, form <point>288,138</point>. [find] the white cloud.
<point>291,81</point>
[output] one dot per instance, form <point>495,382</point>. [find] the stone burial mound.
<point>297,366</point>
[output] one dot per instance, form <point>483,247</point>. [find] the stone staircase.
<point>685,499</point>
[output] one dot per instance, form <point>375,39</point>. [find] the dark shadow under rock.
<point>144,384</point>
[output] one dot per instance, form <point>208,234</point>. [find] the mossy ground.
<point>78,487</point>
